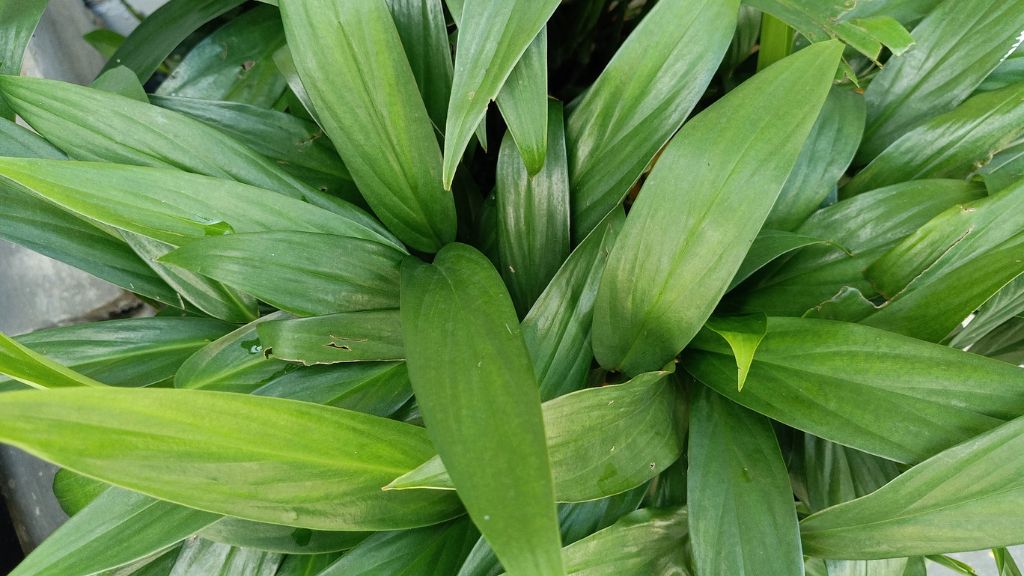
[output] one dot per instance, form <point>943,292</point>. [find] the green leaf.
<point>668,271</point>
<point>640,100</point>
<point>423,552</point>
<point>347,337</point>
<point>234,63</point>
<point>378,388</point>
<point>121,81</point>
<point>523,102</point>
<point>557,329</point>
<point>158,35</point>
<point>19,142</point>
<point>106,42</point>
<point>744,335</point>
<point>364,274</point>
<point>848,305</point>
<point>280,539</point>
<point>978,480</point>
<point>953,564</point>
<point>377,118</point>
<point>738,491</point>
<point>200,557</point>
<point>775,41</point>
<point>601,441</point>
<point>826,155</point>
<point>1005,563</point>
<point>19,20</point>
<point>1010,71</point>
<point>234,363</point>
<point>957,45</point>
<point>1005,305</point>
<point>296,145</point>
<point>95,125</point>
<point>860,230</point>
<point>233,454</point>
<point>424,35</point>
<point>768,246</point>
<point>306,565</point>
<point>115,530</point>
<point>645,542</point>
<point>136,352</point>
<point>533,215</point>
<point>493,36</point>
<point>952,145</point>
<point>31,368</point>
<point>887,31</point>
<point>175,207</point>
<point>1005,169</point>
<point>869,389</point>
<point>74,491</point>
<point>479,397</point>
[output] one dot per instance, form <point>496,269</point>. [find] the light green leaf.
<point>350,58</point>
<point>115,530</point>
<point>479,398</point>
<point>233,454</point>
<point>826,155</point>
<point>348,337</point>
<point>31,368</point>
<point>533,215</point>
<point>523,102</point>
<point>956,501</point>
<point>645,542</point>
<point>744,335</point>
<point>558,327</point>
<point>422,552</point>
<point>601,441</point>
<point>74,491</point>
<point>738,491</point>
<point>158,35</point>
<point>136,352</point>
<point>668,270</point>
<point>19,20</point>
<point>424,35</point>
<point>640,100</point>
<point>952,145</point>
<point>1005,563</point>
<point>121,81</point>
<point>234,63</point>
<point>234,363</point>
<point>364,275</point>
<point>957,45</point>
<point>768,246</point>
<point>869,389</point>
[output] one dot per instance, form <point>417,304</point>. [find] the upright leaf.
<point>523,102</point>
<point>19,20</point>
<point>957,45</point>
<point>742,517</point>
<point>533,215</point>
<point>670,266</point>
<point>421,26</point>
<point>478,394</point>
<point>492,38</point>
<point>233,454</point>
<point>641,99</point>
<point>350,58</point>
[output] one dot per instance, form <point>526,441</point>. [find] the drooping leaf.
<point>234,363</point>
<point>955,501</point>
<point>744,335</point>
<point>533,215</point>
<point>233,63</point>
<point>826,155</point>
<point>951,145</point>
<point>601,441</point>
<point>557,329</point>
<point>19,22</point>
<point>364,274</point>
<point>669,268</point>
<point>479,398</point>
<point>422,552</point>
<point>492,38</point>
<point>870,389</point>
<point>640,100</point>
<point>159,34</point>
<point>351,61</point>
<point>523,102</point>
<point>645,542</point>
<point>957,45</point>
<point>738,492</point>
<point>233,454</point>
<point>346,337</point>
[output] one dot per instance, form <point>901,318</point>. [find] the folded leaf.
<point>533,215</point>
<point>479,398</point>
<point>601,441</point>
<point>869,389</point>
<point>957,45</point>
<point>956,501</point>
<point>492,38</point>
<point>640,100</point>
<point>433,550</point>
<point>350,58</point>
<point>670,268</point>
<point>347,337</point>
<point>364,274</point>
<point>744,335</point>
<point>738,491</point>
<point>233,454</point>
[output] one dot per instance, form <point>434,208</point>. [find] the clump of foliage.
<point>715,288</point>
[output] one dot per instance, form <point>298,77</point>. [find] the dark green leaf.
<point>1005,169</point>
<point>280,539</point>
<point>421,27</point>
<point>306,565</point>
<point>19,20</point>
<point>640,100</point>
<point>523,102</point>
<point>479,397</point>
<point>423,552</point>
<point>670,268</point>
<point>769,245</point>
<point>348,337</point>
